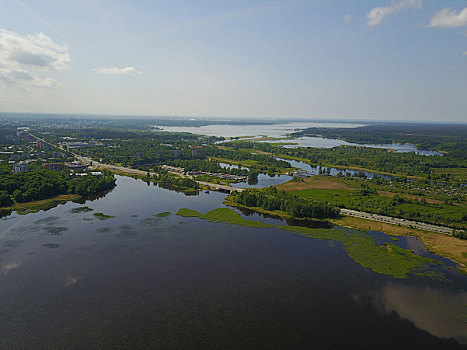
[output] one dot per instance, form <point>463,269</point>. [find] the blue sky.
<point>346,59</point>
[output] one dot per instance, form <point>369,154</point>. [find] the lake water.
<point>281,130</point>
<point>71,281</point>
<point>271,130</point>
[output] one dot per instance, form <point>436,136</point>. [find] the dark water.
<point>70,280</point>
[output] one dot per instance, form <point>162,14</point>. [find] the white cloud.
<point>115,70</point>
<point>378,14</point>
<point>348,17</point>
<point>19,55</point>
<point>448,17</point>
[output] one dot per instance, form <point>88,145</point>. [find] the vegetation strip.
<point>388,259</point>
<point>102,216</point>
<point>225,215</point>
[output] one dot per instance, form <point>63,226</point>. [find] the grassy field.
<point>346,193</point>
<point>459,174</point>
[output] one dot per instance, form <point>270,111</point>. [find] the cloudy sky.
<point>340,59</point>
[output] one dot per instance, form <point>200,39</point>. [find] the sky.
<point>295,59</point>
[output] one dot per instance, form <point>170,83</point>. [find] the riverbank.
<point>44,204</point>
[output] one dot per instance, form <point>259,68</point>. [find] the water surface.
<point>70,280</point>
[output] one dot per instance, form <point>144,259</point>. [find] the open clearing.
<point>315,183</point>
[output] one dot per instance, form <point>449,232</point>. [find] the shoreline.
<point>448,247</point>
<point>42,204</point>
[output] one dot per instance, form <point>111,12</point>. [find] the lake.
<point>282,129</point>
<point>138,280</point>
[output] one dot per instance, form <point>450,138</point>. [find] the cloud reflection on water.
<point>440,312</point>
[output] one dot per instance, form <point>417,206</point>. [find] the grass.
<point>224,215</point>
<point>443,245</point>
<point>102,216</point>
<point>45,204</point>
<point>387,259</point>
<point>164,214</point>
<point>341,193</point>
<point>81,210</point>
<point>458,173</point>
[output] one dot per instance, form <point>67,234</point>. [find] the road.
<point>396,221</point>
<point>130,171</point>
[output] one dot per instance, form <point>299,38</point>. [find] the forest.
<point>450,138</point>
<point>272,199</point>
<point>41,184</point>
<point>377,159</point>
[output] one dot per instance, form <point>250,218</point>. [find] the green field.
<point>431,212</point>
<point>459,174</point>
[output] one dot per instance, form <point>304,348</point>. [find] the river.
<point>138,280</point>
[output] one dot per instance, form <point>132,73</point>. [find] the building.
<point>52,166</point>
<point>20,167</point>
<point>173,169</point>
<point>76,166</point>
<point>43,145</point>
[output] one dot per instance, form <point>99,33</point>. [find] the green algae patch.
<point>81,210</point>
<point>387,259</point>
<point>102,216</point>
<point>164,214</point>
<point>188,213</point>
<point>225,215</point>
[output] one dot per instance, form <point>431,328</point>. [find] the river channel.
<point>73,280</point>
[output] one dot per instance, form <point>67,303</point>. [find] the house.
<point>20,167</point>
<point>52,166</point>
<point>76,166</point>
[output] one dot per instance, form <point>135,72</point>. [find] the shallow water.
<point>70,280</point>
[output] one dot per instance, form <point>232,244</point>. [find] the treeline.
<point>30,186</point>
<point>272,199</point>
<point>406,164</point>
<point>450,138</point>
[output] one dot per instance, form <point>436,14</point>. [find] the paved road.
<point>396,221</point>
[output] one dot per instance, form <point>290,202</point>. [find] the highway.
<point>396,221</point>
